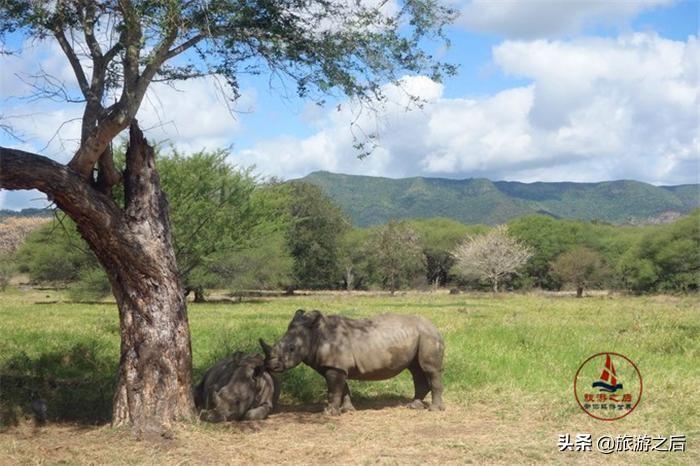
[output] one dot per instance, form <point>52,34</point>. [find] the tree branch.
<point>99,137</point>
<point>118,116</point>
<point>132,44</point>
<point>73,59</point>
<point>88,22</point>
<point>70,192</point>
<point>107,173</point>
<point>157,59</point>
<point>184,46</point>
<point>111,53</point>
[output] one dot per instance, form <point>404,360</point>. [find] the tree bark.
<point>155,370</point>
<point>579,291</point>
<point>134,246</point>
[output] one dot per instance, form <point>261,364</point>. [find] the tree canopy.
<point>580,267</point>
<point>666,258</point>
<point>117,48</point>
<point>314,237</point>
<point>397,255</point>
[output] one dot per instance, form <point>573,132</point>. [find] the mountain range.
<point>369,200</point>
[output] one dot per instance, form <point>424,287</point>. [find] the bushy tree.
<point>355,261</point>
<point>92,285</point>
<point>215,211</point>
<point>317,226</point>
<point>493,256</point>
<point>397,255</point>
<point>439,237</point>
<point>547,238</point>
<point>580,267</point>
<point>6,270</point>
<point>666,258</point>
<point>266,265</point>
<point>55,253</point>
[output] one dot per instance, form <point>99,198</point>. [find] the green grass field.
<point>515,354</point>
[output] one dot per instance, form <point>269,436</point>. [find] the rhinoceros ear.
<point>265,347</point>
<point>298,314</point>
<point>312,317</point>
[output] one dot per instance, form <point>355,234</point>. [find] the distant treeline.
<point>29,212</point>
<point>234,231</point>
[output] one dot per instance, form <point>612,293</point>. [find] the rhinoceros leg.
<point>420,385</point>
<point>430,354</point>
<point>436,389</point>
<point>335,380</point>
<point>212,415</point>
<point>257,414</point>
<point>347,402</point>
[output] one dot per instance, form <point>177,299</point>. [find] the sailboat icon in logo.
<point>608,379</point>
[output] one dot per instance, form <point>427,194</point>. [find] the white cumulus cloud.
<point>194,114</point>
<point>529,19</point>
<point>595,109</point>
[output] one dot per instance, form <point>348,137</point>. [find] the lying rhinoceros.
<point>237,387</point>
<point>376,348</point>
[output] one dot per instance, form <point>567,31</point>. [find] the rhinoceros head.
<point>230,386</point>
<point>242,387</point>
<point>295,345</point>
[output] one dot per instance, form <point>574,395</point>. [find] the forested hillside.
<point>374,201</point>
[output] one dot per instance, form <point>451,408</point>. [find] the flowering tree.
<point>493,256</point>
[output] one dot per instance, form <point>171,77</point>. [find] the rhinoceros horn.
<point>265,347</point>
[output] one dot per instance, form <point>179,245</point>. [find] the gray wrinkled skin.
<point>237,388</point>
<point>376,348</point>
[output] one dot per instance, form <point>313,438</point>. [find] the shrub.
<point>92,285</point>
<point>6,270</point>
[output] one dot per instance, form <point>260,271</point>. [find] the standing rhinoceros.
<point>237,387</point>
<point>375,348</point>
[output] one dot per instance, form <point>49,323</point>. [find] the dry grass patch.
<point>303,435</point>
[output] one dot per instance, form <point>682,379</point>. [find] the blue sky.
<point>547,91</point>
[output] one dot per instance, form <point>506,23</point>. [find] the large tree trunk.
<point>155,369</point>
<point>134,246</point>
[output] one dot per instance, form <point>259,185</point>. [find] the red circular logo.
<point>608,386</point>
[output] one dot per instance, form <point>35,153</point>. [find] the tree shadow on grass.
<point>380,402</point>
<point>312,413</point>
<point>75,384</point>
<point>360,403</point>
